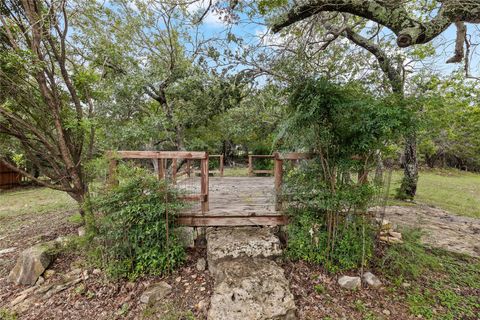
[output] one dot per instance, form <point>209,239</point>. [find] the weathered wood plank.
<point>231,220</point>
<point>294,156</point>
<point>263,171</point>
<point>192,197</point>
<point>158,154</point>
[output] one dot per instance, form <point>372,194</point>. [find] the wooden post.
<point>250,166</point>
<point>204,183</point>
<point>112,173</point>
<point>221,165</point>
<point>161,169</point>
<point>278,182</point>
<point>174,171</point>
<point>189,166</point>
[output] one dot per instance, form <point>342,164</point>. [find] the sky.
<point>252,31</point>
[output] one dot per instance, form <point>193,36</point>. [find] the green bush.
<point>344,127</point>
<point>132,228</point>
<point>308,241</point>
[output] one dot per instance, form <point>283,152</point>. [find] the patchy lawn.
<point>36,200</point>
<point>452,190</point>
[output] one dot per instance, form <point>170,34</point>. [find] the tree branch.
<point>391,14</point>
<point>385,62</point>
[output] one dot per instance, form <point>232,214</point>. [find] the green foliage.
<point>319,288</point>
<point>345,119</point>
<point>410,259</point>
<point>132,230</point>
<point>449,122</point>
<point>6,314</point>
<point>343,126</point>
<point>308,241</point>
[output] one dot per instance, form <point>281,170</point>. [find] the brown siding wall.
<point>8,178</point>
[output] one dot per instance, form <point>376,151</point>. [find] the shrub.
<point>132,228</point>
<point>308,240</point>
<point>344,127</point>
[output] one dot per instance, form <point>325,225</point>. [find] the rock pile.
<point>387,233</point>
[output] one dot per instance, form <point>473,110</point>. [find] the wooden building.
<point>8,177</point>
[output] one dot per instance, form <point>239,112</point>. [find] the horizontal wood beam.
<point>158,154</point>
<point>230,220</point>
<point>270,156</point>
<point>263,171</point>
<point>294,156</point>
<point>193,197</point>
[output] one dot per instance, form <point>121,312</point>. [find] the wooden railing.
<point>161,157</point>
<point>251,170</point>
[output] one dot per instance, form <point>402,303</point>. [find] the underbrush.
<point>133,230</point>
<point>445,285</point>
<point>308,240</point>
<point>6,314</point>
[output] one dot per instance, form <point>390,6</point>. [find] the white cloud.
<point>211,19</point>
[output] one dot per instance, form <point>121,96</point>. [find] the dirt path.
<point>443,229</point>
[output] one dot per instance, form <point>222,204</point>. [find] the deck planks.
<point>237,201</point>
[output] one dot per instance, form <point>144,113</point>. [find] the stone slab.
<point>251,288</point>
<point>228,243</point>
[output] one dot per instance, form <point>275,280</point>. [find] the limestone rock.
<point>372,280</point>
<point>391,240</point>
<point>201,264</point>
<point>251,288</point>
<point>227,243</point>
<point>48,273</point>
<point>350,283</point>
<point>201,305</point>
<point>7,250</point>
<point>155,292</point>
<point>394,234</point>
<point>81,231</point>
<point>186,236</point>
<point>31,263</point>
<point>385,225</point>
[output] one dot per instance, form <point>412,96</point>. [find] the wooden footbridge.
<point>218,200</point>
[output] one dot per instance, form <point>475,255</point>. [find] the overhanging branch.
<point>391,14</point>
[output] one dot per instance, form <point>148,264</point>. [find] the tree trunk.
<point>408,188</point>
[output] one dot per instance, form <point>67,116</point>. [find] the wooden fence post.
<point>174,171</point>
<point>204,183</point>
<point>250,165</point>
<point>278,182</point>
<point>112,173</point>
<point>161,168</point>
<point>221,165</point>
<point>189,166</point>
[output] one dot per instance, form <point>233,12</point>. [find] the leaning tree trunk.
<point>408,188</point>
